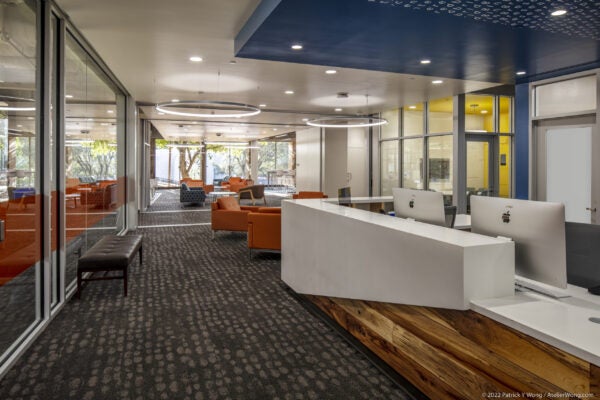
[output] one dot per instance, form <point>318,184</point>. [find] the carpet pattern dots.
<point>201,321</point>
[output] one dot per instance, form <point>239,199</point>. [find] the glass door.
<point>480,167</point>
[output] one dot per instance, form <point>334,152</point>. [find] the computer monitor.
<point>536,227</point>
<point>344,196</point>
<point>420,205</point>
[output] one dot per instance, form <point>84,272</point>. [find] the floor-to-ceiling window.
<point>93,185</point>
<point>277,161</point>
<point>20,205</point>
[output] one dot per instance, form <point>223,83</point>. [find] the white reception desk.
<point>337,251</point>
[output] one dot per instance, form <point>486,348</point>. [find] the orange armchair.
<point>264,229</point>
<point>309,195</point>
<point>227,215</point>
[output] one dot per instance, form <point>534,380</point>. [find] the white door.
<point>568,166</point>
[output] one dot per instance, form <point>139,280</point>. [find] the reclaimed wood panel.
<point>451,354</point>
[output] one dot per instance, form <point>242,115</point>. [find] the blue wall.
<point>522,141</point>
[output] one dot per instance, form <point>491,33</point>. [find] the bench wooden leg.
<point>79,284</point>
<point>125,280</point>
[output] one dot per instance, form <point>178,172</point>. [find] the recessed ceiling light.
<point>90,119</point>
<point>262,105</point>
<point>30,118</point>
<point>110,111</point>
<point>297,46</point>
<point>338,109</point>
<point>174,100</point>
<point>559,12</point>
<point>304,119</point>
<point>196,58</point>
<point>484,111</point>
<point>425,61</point>
<point>104,124</point>
<point>331,71</point>
<point>69,96</point>
<point>521,72</point>
<point>19,126</point>
<point>289,92</point>
<point>437,81</point>
<point>274,129</point>
<point>412,107</point>
<point>161,113</point>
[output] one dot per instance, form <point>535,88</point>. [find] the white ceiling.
<point>147,44</point>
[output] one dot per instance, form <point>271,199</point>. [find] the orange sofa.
<point>309,195</point>
<point>197,183</point>
<point>236,183</point>
<point>227,215</point>
<point>264,229</point>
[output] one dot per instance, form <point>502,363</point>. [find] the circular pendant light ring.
<point>347,122</point>
<point>220,109</point>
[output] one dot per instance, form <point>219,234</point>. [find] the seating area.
<point>254,193</point>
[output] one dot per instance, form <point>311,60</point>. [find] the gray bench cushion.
<point>111,252</point>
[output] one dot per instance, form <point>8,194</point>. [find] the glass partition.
<point>390,166</point>
<point>440,115</point>
<point>94,186</point>
<point>479,113</point>
<point>440,164</point>
<point>20,200</point>
<point>412,164</point>
<point>392,128</point>
<point>412,120</point>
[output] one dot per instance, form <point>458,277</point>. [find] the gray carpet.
<point>201,321</point>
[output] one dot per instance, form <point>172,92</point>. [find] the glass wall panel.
<point>412,163</point>
<point>94,191</point>
<point>392,128</point>
<point>390,166</point>
<point>440,115</point>
<point>412,120</point>
<point>439,150</point>
<point>505,115</point>
<point>479,113</point>
<point>20,206</point>
<point>568,96</point>
<point>225,161</point>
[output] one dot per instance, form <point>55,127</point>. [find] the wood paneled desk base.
<point>451,354</point>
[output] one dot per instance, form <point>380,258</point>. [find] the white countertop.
<point>563,323</point>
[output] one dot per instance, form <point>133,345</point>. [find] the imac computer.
<point>538,230</point>
<point>420,205</point>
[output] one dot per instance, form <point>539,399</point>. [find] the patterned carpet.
<point>201,321</point>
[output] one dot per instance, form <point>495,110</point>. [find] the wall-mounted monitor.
<point>420,205</point>
<point>536,227</point>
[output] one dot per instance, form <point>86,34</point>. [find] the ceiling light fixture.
<point>346,122</point>
<point>110,111</point>
<point>174,100</point>
<point>219,109</point>
<point>69,96</point>
<point>15,99</point>
<point>195,58</point>
<point>437,81</point>
<point>558,13</point>
<point>425,61</point>
<point>262,105</point>
<point>331,72</point>
<point>289,92</point>
<point>484,111</point>
<point>412,107</point>
<point>521,72</point>
<point>338,109</point>
<point>297,46</point>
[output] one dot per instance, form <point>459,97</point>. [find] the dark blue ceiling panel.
<point>394,35</point>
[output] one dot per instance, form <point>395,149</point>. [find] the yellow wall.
<point>504,170</point>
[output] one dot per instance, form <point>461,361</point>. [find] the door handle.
<point>591,209</point>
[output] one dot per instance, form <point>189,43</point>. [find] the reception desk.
<point>331,250</point>
<point>439,306</point>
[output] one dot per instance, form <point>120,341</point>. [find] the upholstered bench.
<point>111,253</point>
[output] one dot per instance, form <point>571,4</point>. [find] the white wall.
<point>308,159</point>
<point>358,160</point>
<point>335,160</point>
